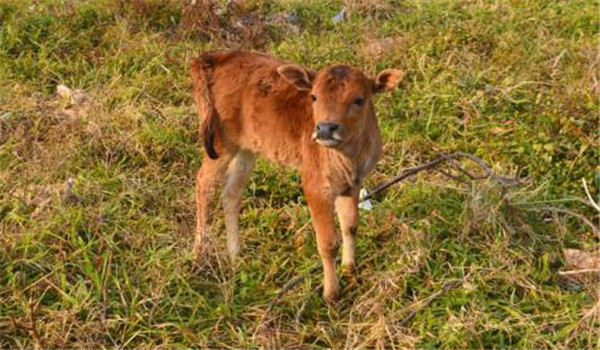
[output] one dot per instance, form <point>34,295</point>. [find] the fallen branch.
<point>451,176</point>
<point>452,161</point>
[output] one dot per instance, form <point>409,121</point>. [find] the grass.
<point>106,262</point>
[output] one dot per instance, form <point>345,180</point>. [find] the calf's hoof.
<point>331,296</point>
<point>349,271</point>
<point>197,252</point>
<point>234,253</point>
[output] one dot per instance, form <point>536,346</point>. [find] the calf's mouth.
<point>330,142</point>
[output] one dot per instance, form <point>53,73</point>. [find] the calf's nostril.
<point>327,127</point>
<point>326,130</point>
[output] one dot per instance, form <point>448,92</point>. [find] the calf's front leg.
<point>346,207</point>
<point>320,204</point>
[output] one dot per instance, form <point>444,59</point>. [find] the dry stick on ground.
<point>453,177</point>
<point>452,160</point>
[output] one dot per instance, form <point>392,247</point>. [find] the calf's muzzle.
<point>326,131</point>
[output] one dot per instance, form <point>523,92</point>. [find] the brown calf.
<point>322,123</point>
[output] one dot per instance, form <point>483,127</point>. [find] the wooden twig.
<point>451,176</point>
<point>407,173</point>
<point>452,160</point>
<point>506,181</point>
<point>456,165</point>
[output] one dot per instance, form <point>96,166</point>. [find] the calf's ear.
<point>300,77</point>
<point>387,80</point>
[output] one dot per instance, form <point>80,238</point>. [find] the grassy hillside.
<point>97,191</point>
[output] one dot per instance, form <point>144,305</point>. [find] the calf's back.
<point>257,109</point>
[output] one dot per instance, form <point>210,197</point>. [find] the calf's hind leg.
<point>209,177</point>
<point>236,177</point>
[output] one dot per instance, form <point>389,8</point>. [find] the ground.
<point>97,182</point>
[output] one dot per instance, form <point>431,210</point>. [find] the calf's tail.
<point>201,71</point>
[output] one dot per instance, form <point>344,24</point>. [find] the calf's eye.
<point>314,97</point>
<point>359,101</point>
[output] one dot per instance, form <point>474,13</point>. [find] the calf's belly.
<point>275,148</point>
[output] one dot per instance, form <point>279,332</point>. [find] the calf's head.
<point>341,99</point>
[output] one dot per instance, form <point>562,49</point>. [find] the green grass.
<point>513,82</point>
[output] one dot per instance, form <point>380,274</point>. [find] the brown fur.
<point>253,104</point>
